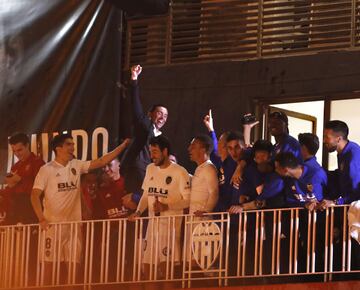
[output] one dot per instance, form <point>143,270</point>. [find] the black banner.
<point>60,62</point>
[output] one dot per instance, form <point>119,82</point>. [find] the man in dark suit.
<point>146,125</point>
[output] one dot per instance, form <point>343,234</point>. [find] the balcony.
<point>259,246</point>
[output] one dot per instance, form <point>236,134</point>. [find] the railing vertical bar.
<point>291,249</point>
<point>296,241</point>
<point>244,245</point>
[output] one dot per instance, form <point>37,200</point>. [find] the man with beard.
<point>146,125</point>
<point>348,155</point>
<point>344,183</point>
<point>166,189</point>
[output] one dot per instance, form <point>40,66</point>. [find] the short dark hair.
<point>310,141</point>
<point>206,142</point>
<point>235,135</point>
<point>19,138</point>
<point>263,145</point>
<point>287,159</point>
<point>280,116</point>
<point>59,140</point>
<point>162,142</point>
<point>153,107</point>
<point>338,127</point>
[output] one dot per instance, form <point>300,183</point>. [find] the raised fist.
<point>135,72</point>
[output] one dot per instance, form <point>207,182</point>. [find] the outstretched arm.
<point>107,158</point>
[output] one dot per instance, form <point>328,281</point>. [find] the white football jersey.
<point>170,185</point>
<point>61,187</point>
<point>204,188</point>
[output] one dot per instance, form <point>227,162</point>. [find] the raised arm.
<point>107,158</point>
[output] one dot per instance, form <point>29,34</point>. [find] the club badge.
<point>168,180</point>
<point>310,187</point>
<point>73,171</point>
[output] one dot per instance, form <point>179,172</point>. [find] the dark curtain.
<point>60,62</point>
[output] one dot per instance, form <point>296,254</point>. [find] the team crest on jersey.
<point>293,188</point>
<point>73,171</point>
<point>168,180</point>
<point>152,178</point>
<point>310,187</point>
<point>27,167</point>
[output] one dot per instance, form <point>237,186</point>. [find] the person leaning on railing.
<point>166,193</point>
<point>345,180</point>
<point>59,182</point>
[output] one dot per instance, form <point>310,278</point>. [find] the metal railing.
<point>254,244</point>
<point>217,30</point>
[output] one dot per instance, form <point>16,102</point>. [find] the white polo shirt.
<point>61,187</point>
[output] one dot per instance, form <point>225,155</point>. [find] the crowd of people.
<point>232,175</point>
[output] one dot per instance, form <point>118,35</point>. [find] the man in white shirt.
<point>166,191</point>
<point>204,183</point>
<point>59,181</point>
<point>204,187</point>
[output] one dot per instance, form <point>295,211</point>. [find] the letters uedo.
<point>40,145</point>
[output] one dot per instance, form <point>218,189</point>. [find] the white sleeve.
<point>184,189</point>
<point>212,182</point>
<point>40,180</point>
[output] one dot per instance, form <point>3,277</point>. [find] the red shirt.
<point>27,170</point>
<point>108,204</point>
<point>4,205</point>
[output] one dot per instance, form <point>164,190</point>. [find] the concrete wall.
<point>231,88</point>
